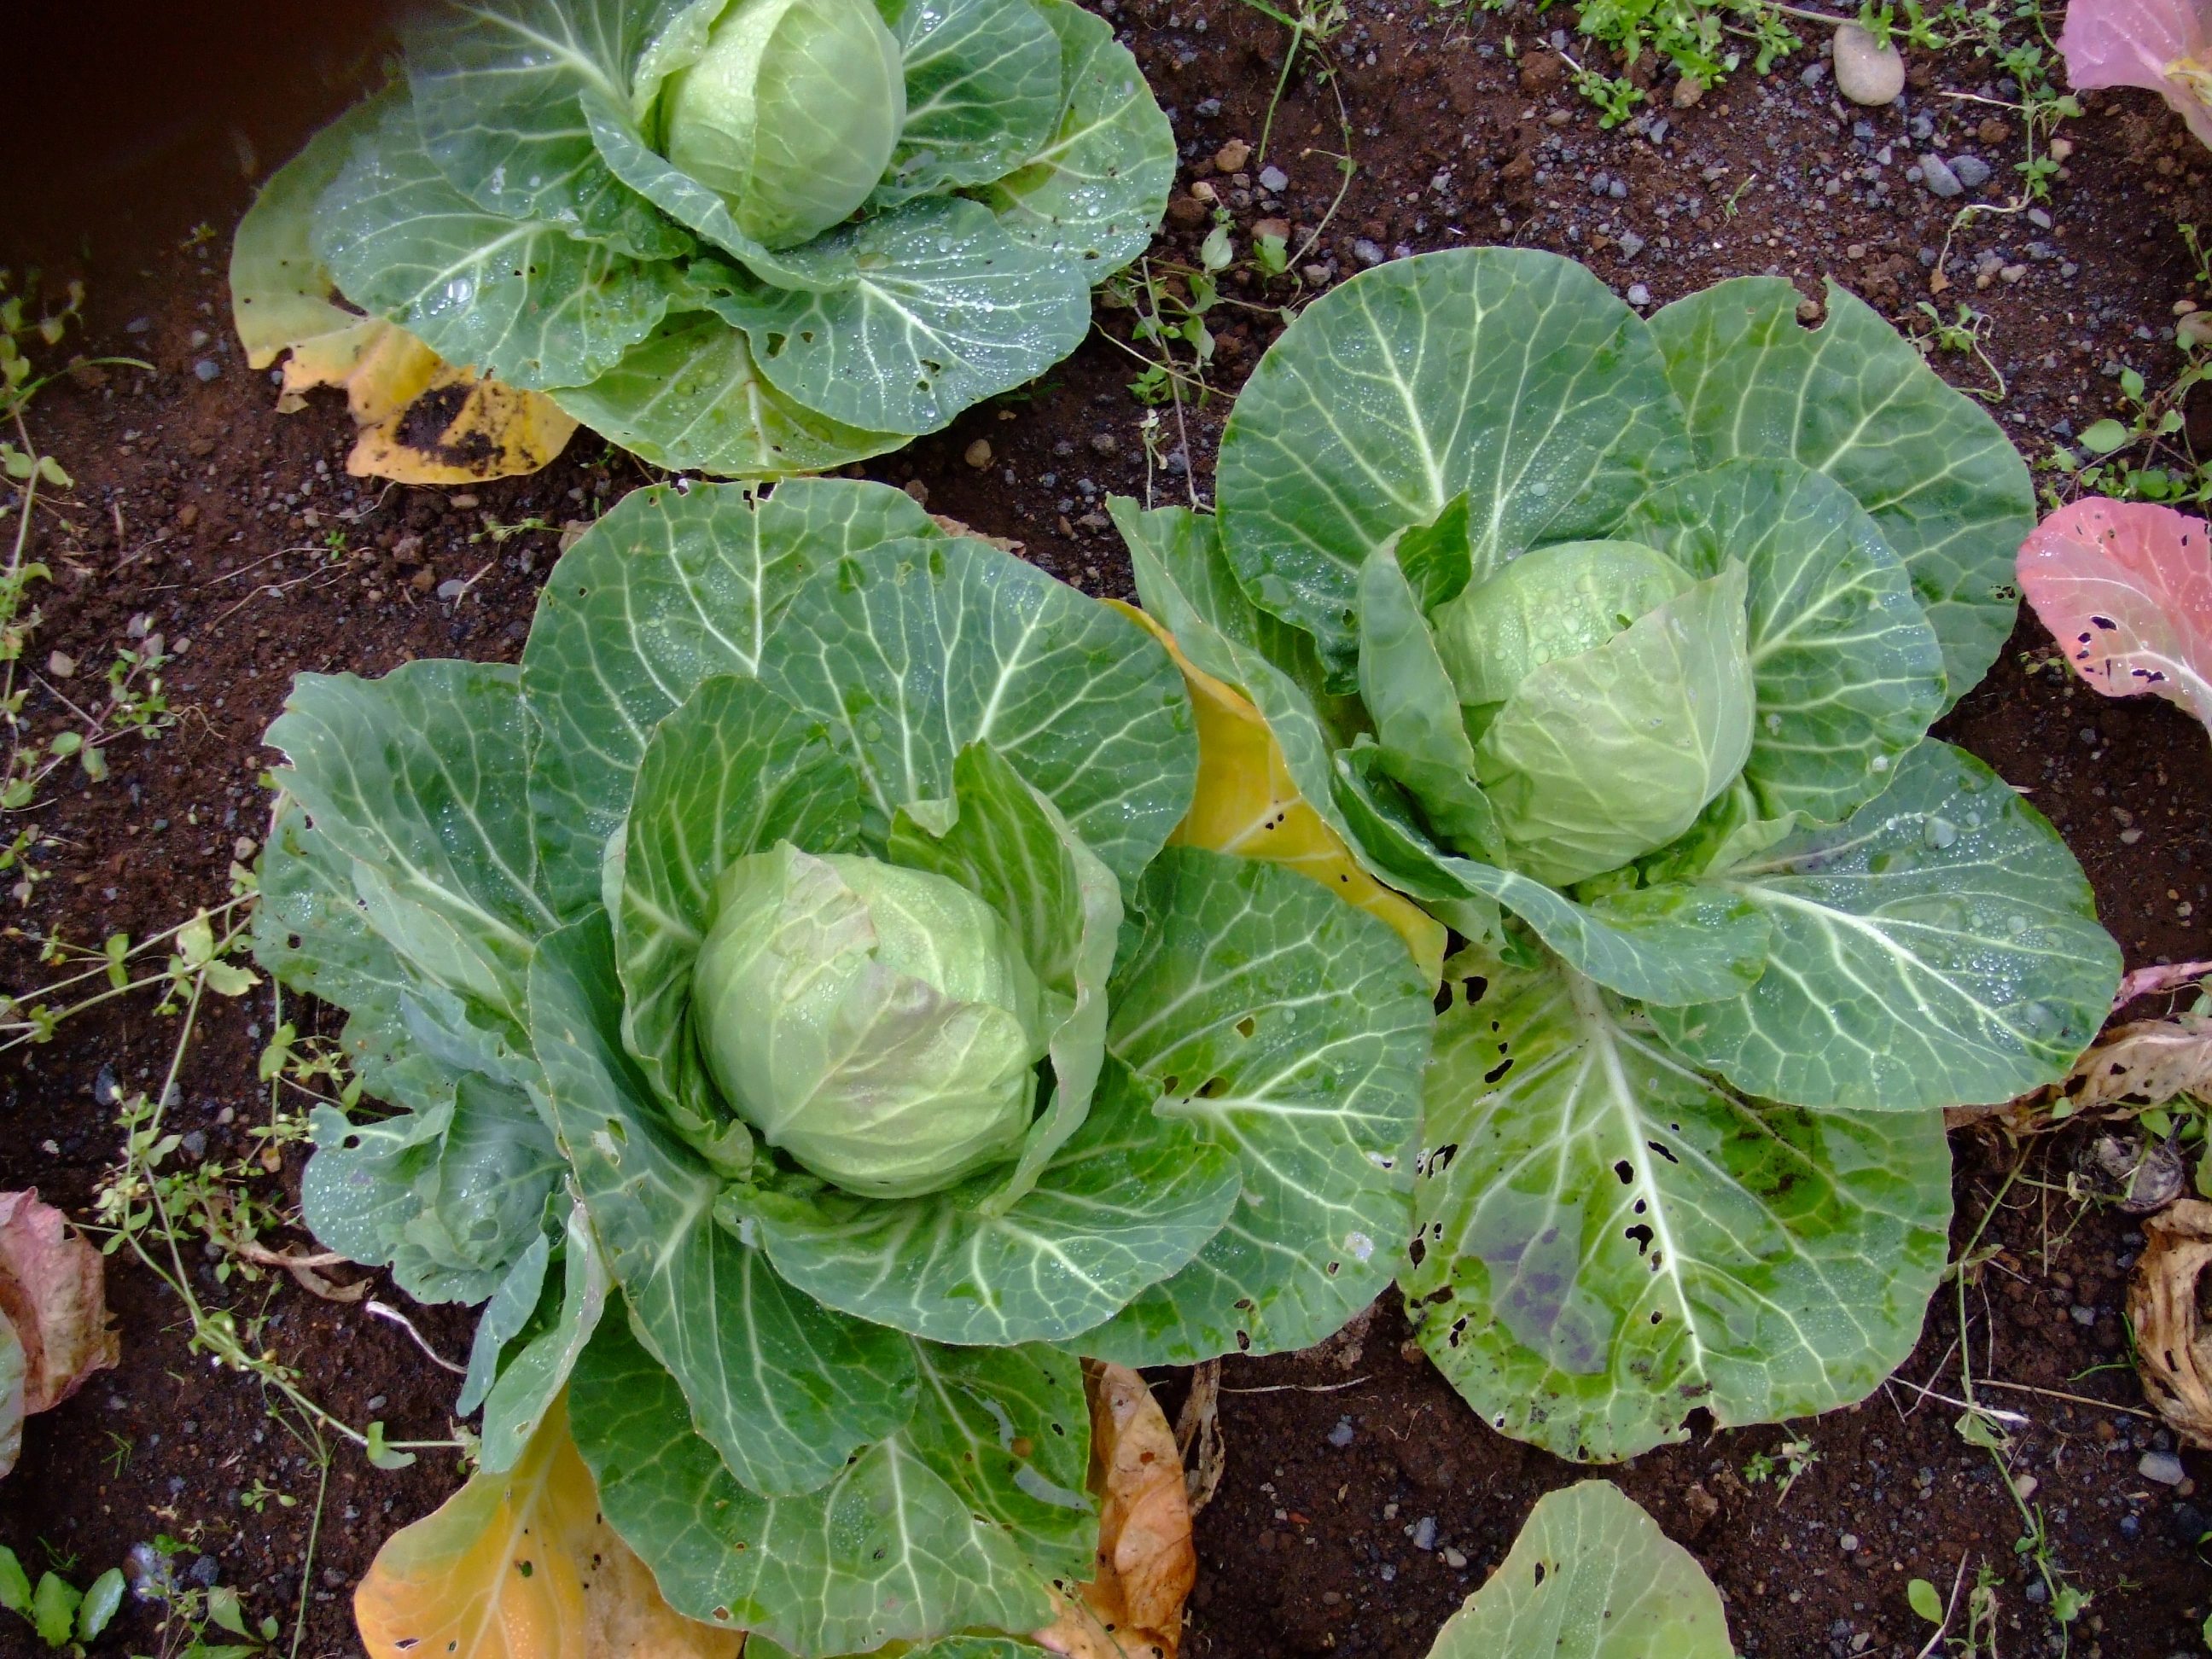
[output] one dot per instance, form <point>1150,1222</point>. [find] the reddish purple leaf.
<point>2163,46</point>
<point>53,1293</point>
<point>2126,590</point>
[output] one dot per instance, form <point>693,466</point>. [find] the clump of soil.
<point>200,514</point>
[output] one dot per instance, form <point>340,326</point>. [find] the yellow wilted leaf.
<point>1133,1609</point>
<point>423,421</point>
<point>520,1565</point>
<point>1247,804</point>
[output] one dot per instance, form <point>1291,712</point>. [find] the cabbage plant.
<point>750,237</point>
<point>806,1044</point>
<point>1615,643</point>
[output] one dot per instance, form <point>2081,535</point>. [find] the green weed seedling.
<point>64,1617</point>
<point>204,1624</point>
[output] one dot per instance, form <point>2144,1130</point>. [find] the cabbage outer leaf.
<point>665,590</point>
<point>911,651</point>
<point>1848,669</point>
<point>731,771</point>
<point>1096,192</point>
<point>1129,1198</point>
<point>496,85</point>
<point>1514,376</point>
<point>1606,1241</point>
<point>1292,1028</point>
<point>908,318</point>
<point>1853,399</point>
<point>982,91</point>
<point>1671,942</point>
<point>692,397</point>
<point>1939,948</point>
<point>889,1548</point>
<point>1590,1577</point>
<point>783,1389</point>
<point>1419,732</point>
<point>280,292</point>
<point>519,299</point>
<point>517,1402</point>
<point>417,778</point>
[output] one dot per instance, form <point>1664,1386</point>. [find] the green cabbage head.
<point>880,1024</point>
<point>790,115</point>
<point>1609,696</point>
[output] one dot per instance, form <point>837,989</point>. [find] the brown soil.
<point>198,507</point>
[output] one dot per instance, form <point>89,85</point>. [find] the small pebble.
<point>978,454</point>
<point>1815,72</point>
<point>1274,179</point>
<point>195,1143</point>
<point>1367,253</point>
<point>60,667</point>
<point>2129,1526</point>
<point>377,1402</point>
<point>2038,218</point>
<point>2037,1592</point>
<point>1103,443</point>
<point>2161,1466</point>
<point>1849,1543</point>
<point>1208,108</point>
<point>204,1572</point>
<point>206,369</point>
<point>1971,171</point>
<point>1343,1433</point>
<point>1232,156</point>
<point>1866,73</point>
<point>1935,174</point>
<point>1425,1533</point>
<point>1630,245</point>
<point>197,338</point>
<point>1454,1560</point>
<point>139,325</point>
<point>1639,296</point>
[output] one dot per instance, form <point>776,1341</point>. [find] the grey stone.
<point>195,1143</point>
<point>1866,73</point>
<point>1815,72</point>
<point>139,325</point>
<point>2081,1315</point>
<point>1618,190</point>
<point>207,369</point>
<point>1274,179</point>
<point>2161,1466</point>
<point>1971,171</point>
<point>1343,1434</point>
<point>1639,296</point>
<point>1936,174</point>
<point>1367,253</point>
<point>1630,245</point>
<point>1208,108</point>
<point>1425,1533</point>
<point>1600,183</point>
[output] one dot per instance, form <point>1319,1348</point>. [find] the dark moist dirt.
<point>133,138</point>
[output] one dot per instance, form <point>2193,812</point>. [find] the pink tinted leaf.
<point>53,1293</point>
<point>2125,588</point>
<point>2163,45</point>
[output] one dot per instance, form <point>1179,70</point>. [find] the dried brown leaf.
<point>1133,1609</point>
<point>53,1293</point>
<point>2173,1350</point>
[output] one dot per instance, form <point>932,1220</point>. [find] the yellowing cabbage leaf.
<point>521,1566</point>
<point>422,421</point>
<point>1246,803</point>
